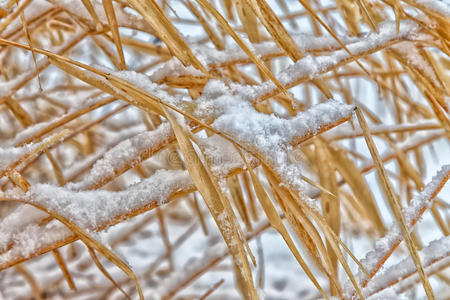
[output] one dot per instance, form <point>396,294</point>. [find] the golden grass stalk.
<point>157,19</point>
<point>31,280</point>
<point>109,9</point>
<point>394,204</point>
<point>92,243</point>
<point>81,112</point>
<point>212,197</point>
<point>276,222</point>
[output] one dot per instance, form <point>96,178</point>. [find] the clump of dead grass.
<point>59,101</point>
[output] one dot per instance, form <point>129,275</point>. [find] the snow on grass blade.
<point>384,247</point>
<point>91,242</point>
<point>394,204</point>
<point>277,223</point>
<point>213,198</point>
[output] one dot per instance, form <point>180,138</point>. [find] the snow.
<point>437,6</point>
<point>123,18</point>
<point>7,86</point>
<point>10,155</point>
<point>222,155</point>
<point>143,82</point>
<point>34,129</point>
<point>33,237</point>
<point>412,280</point>
<point>268,135</point>
<point>308,66</point>
<point>14,223</point>
<point>191,268</point>
<point>3,4</point>
<point>422,200</point>
<point>416,61</point>
<point>34,8</point>
<point>123,154</point>
<point>384,245</point>
<point>28,133</point>
<point>226,107</point>
<point>92,209</point>
<point>435,251</point>
<point>213,57</point>
<point>175,68</point>
<point>311,66</point>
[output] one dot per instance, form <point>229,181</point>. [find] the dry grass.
<point>66,104</point>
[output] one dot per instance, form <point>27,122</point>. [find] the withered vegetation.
<point>166,127</point>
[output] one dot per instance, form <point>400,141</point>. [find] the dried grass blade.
<point>196,207</point>
<point>111,15</point>
<point>352,175</point>
<point>330,205</point>
<point>334,242</point>
<point>279,33</point>
<point>251,197</point>
<point>62,265</point>
<point>88,5</point>
<point>27,157</point>
<point>227,205</point>
<point>363,6</point>
<point>297,205</point>
<point>31,280</point>
<point>215,39</point>
<point>303,226</point>
<point>165,236</point>
<point>108,52</point>
<point>90,242</point>
<point>312,12</point>
<point>249,21</point>
<point>167,32</point>
<point>277,223</point>
<point>276,29</point>
<point>22,116</point>
<point>11,17</point>
<point>105,272</point>
<point>56,169</point>
<point>137,99</point>
<point>149,48</point>
<point>236,194</point>
<point>393,202</point>
<point>212,289</point>
<point>30,44</point>
<point>212,198</point>
<point>257,61</point>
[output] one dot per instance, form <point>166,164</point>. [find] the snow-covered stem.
<point>385,246</point>
<point>435,252</point>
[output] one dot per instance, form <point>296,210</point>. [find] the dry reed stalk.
<point>268,75</point>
